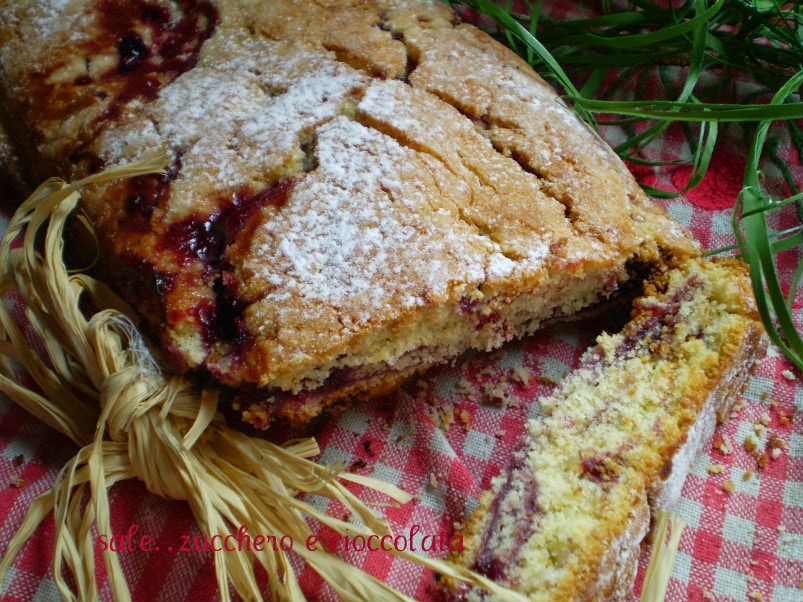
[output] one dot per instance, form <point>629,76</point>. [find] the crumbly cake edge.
<point>613,576</point>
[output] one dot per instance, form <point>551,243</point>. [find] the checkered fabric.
<point>444,437</point>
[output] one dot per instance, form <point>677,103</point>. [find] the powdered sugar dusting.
<point>358,233</point>
<point>428,123</point>
<point>231,125</point>
<point>45,24</point>
<point>49,15</point>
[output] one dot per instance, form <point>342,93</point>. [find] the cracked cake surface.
<point>356,190</point>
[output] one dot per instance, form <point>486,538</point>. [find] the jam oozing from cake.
<point>492,561</point>
<point>133,52</point>
<point>195,248</point>
<point>153,45</point>
<point>196,240</point>
<point>228,323</point>
<point>173,44</point>
<point>245,204</point>
<point>204,239</point>
<point>145,194</point>
<point>139,279</point>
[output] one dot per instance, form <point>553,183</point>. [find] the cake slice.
<point>565,519</point>
<point>356,191</point>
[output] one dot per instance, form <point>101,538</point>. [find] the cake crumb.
<point>775,453</point>
<point>494,394</point>
<point>765,419</point>
<point>357,464</point>
<point>762,461</point>
<point>788,375</point>
<point>707,594</point>
<point>776,442</point>
<point>755,595</point>
<point>17,482</point>
<point>465,418</point>
<point>715,468</point>
<point>728,486</point>
<point>724,444</point>
<point>545,380</point>
<point>446,415</point>
<point>751,443</point>
<point>747,474</point>
<point>521,376</point>
<point>465,387</point>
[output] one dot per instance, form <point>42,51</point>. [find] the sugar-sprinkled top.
<point>313,201</point>
<point>230,125</point>
<point>360,233</point>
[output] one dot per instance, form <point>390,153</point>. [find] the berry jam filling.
<point>195,245</point>
<point>195,240</point>
<point>244,204</point>
<point>492,561</point>
<point>153,45</point>
<point>657,321</point>
<point>133,52</point>
<point>139,279</point>
<point>601,469</point>
<point>204,240</point>
<point>482,315</point>
<point>265,408</point>
<point>145,193</point>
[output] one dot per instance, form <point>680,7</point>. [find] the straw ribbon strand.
<point>99,385</point>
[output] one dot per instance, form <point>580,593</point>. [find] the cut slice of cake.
<point>356,190</point>
<point>565,520</point>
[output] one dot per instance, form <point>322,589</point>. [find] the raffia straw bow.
<point>100,386</point>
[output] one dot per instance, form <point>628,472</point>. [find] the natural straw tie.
<point>99,385</point>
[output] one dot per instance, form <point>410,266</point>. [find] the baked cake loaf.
<point>356,190</point>
<point>565,520</point>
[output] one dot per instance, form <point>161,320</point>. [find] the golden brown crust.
<point>354,187</point>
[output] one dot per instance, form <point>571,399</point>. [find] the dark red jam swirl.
<point>154,44</point>
<point>491,561</point>
<point>195,248</point>
<point>656,321</point>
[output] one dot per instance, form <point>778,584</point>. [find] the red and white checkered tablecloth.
<point>444,437</point>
